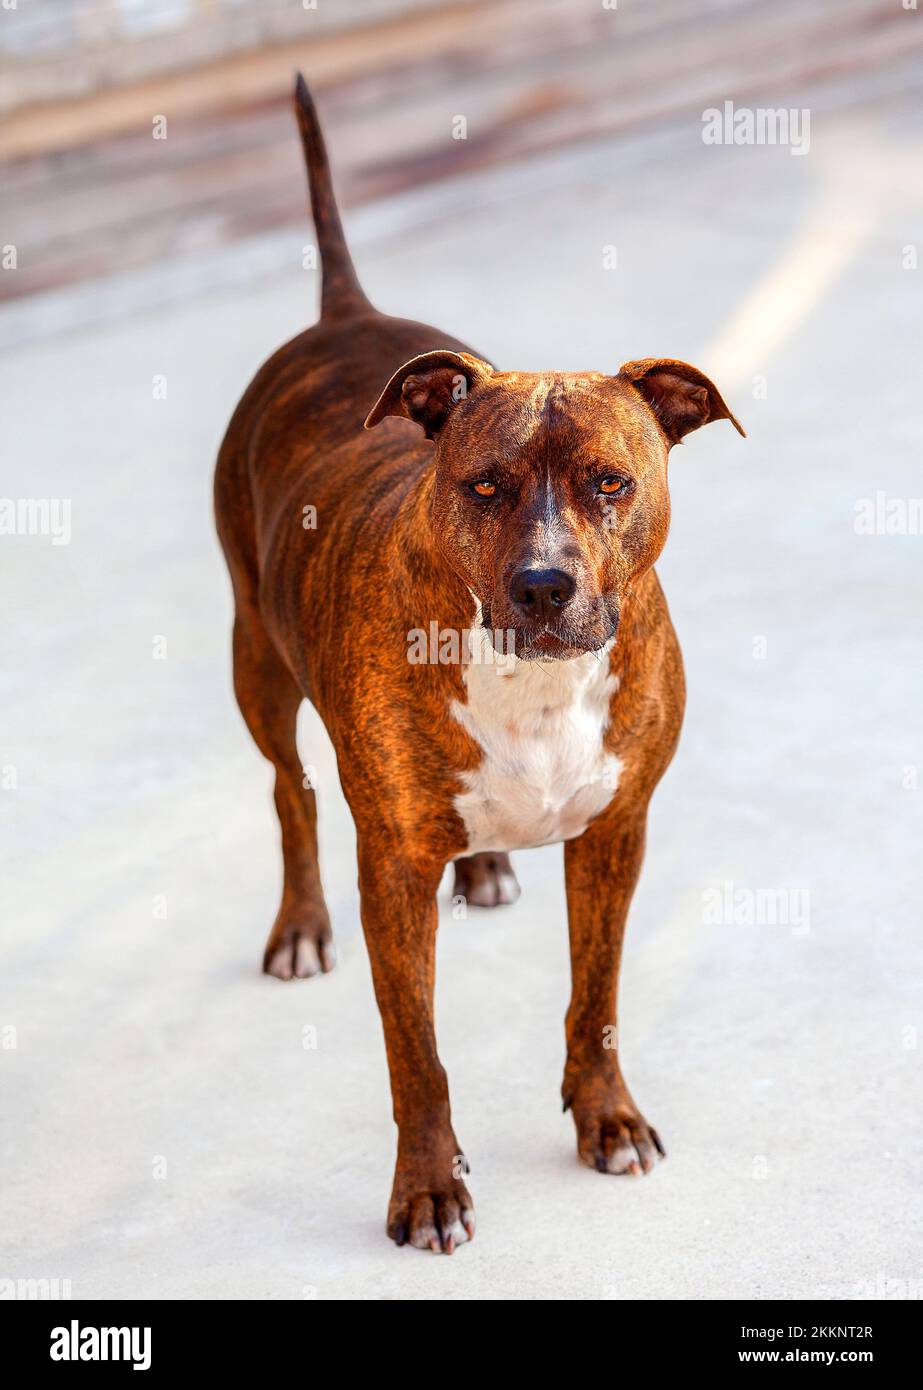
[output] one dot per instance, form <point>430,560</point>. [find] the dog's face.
<point>551,490</point>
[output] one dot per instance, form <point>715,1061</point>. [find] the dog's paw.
<point>485,880</point>
<point>620,1146</point>
<point>299,947</point>
<point>431,1220</point>
<point>612,1134</point>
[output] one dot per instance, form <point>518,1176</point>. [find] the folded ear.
<point>680,396</point>
<point>427,388</point>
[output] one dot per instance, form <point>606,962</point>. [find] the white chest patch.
<point>545,773</point>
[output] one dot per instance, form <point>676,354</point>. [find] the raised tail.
<point>341,293</point>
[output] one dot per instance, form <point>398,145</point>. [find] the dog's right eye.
<point>483,488</point>
<point>612,485</point>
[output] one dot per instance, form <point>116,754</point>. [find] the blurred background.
<point>114,210</point>
<point>534,177</point>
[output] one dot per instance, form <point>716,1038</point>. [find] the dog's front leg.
<point>430,1206</point>
<point>601,869</point>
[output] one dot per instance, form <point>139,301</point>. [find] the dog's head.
<point>551,489</point>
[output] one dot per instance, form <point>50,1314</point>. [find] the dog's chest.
<point>545,773</point>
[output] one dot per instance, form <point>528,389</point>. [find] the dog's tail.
<point>341,293</point>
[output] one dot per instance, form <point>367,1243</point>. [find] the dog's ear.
<point>427,388</point>
<point>681,397</point>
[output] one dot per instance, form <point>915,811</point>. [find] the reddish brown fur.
<point>325,614</point>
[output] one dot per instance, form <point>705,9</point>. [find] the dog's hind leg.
<point>485,880</point>
<point>300,943</point>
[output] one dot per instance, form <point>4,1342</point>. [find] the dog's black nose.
<point>541,593</point>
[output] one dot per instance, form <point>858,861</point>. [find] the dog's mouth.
<point>549,645</point>
<point>548,641</point>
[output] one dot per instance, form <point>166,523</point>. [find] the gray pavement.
<point>168,1128</point>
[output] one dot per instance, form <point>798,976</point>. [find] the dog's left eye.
<point>612,485</point>
<point>484,487</point>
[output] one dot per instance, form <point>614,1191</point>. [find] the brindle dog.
<point>526,513</point>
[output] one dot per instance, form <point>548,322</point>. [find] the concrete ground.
<point>176,1125</point>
